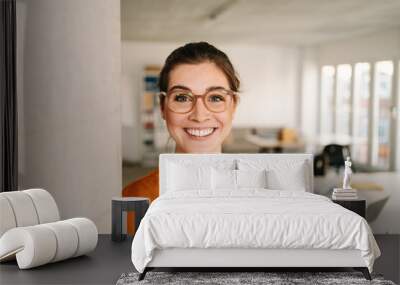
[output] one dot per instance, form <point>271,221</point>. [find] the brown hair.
<point>193,53</point>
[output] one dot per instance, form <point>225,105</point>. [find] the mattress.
<point>250,219</point>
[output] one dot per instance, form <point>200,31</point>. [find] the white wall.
<point>269,76</point>
<point>71,113</point>
<point>378,46</point>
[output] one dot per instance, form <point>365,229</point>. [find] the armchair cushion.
<point>45,206</point>
<point>31,232</point>
<point>40,244</point>
<point>23,208</point>
<point>7,220</point>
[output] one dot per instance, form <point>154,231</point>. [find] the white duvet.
<point>251,218</point>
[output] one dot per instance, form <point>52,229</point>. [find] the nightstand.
<point>121,204</point>
<point>358,206</point>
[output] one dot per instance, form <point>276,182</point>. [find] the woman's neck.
<point>180,150</point>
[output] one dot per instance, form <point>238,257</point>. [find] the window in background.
<point>327,99</point>
<point>361,106</point>
<point>383,105</point>
<point>343,99</point>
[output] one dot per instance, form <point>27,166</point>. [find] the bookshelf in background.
<point>154,132</point>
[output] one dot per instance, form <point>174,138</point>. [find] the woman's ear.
<point>234,109</point>
<point>162,112</point>
<point>162,107</point>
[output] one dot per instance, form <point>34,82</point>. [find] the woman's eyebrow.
<point>179,87</point>
<point>215,88</point>
<point>211,88</point>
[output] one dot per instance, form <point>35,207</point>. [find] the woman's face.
<point>190,130</point>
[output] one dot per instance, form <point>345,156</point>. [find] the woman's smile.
<point>200,133</point>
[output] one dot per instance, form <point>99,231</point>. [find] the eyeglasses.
<point>183,100</point>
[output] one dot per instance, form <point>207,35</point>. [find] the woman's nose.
<point>200,112</point>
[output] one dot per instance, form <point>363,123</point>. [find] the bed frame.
<point>248,259</point>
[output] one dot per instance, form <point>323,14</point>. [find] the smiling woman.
<point>199,94</point>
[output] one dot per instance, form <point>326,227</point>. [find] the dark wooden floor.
<point>102,266</point>
<point>389,262</point>
<point>110,260</point>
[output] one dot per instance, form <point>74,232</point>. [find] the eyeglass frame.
<point>232,93</point>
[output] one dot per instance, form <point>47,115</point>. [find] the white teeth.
<point>200,132</point>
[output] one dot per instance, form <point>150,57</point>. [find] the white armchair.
<point>31,230</point>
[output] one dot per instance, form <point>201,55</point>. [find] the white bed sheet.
<point>251,218</point>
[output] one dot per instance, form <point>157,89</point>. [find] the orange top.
<point>146,186</point>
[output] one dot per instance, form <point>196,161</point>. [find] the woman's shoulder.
<point>146,186</point>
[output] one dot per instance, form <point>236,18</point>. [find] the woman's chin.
<point>200,147</point>
<point>205,151</point>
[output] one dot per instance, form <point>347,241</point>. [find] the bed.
<point>244,211</point>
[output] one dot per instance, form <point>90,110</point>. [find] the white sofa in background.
<point>31,230</point>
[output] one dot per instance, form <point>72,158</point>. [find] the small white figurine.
<point>347,174</point>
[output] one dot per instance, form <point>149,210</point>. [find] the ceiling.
<point>288,22</point>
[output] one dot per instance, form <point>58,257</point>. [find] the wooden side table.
<point>121,204</point>
<point>358,206</point>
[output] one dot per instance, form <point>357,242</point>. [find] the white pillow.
<point>251,178</point>
<point>223,179</point>
<point>295,180</point>
<point>227,179</point>
<point>183,177</point>
<point>281,174</point>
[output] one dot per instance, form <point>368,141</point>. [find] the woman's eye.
<point>216,98</point>
<point>182,98</point>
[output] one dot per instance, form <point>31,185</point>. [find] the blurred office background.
<point>313,73</point>
<point>320,77</point>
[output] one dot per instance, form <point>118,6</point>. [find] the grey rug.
<point>228,278</point>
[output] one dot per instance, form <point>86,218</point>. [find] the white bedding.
<point>251,218</point>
